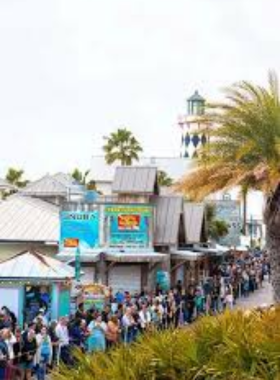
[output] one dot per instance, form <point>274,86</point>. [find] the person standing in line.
<point>62,334</point>
<point>55,342</point>
<point>17,348</point>
<point>112,333</point>
<point>97,340</point>
<point>10,340</point>
<point>129,324</point>
<point>29,348</point>
<point>44,353</point>
<point>145,318</point>
<point>4,356</point>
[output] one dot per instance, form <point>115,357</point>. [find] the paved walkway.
<point>260,297</point>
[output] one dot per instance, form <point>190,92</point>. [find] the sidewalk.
<point>260,297</point>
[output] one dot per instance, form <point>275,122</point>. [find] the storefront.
<point>31,281</point>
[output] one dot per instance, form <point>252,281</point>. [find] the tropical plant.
<point>163,179</point>
<point>216,228</point>
<point>233,346</point>
<point>244,148</point>
<point>15,177</point>
<point>122,146</point>
<point>82,178</point>
<point>79,176</point>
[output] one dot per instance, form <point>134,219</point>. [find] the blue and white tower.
<point>191,124</point>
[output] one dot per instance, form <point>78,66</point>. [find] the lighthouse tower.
<point>191,124</point>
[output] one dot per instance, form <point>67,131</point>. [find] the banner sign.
<point>163,280</point>
<point>79,228</point>
<point>129,226</point>
<point>94,296</point>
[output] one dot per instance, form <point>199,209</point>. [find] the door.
<point>125,278</point>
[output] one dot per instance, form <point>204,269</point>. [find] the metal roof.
<point>29,220</point>
<point>64,178</point>
<point>134,180</point>
<point>48,185</point>
<point>59,184</point>
<point>193,221</point>
<point>33,265</point>
<point>175,167</point>
<point>168,212</point>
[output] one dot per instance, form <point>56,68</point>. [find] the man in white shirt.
<point>62,334</point>
<point>145,317</point>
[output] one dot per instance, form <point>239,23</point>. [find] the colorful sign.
<point>94,296</point>
<point>129,226</point>
<point>163,280</point>
<point>79,228</point>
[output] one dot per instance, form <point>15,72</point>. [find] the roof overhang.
<point>31,280</point>
<point>85,257</point>
<point>136,257</point>
<point>186,255</point>
<point>211,250</point>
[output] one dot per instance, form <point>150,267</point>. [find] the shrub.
<point>233,346</point>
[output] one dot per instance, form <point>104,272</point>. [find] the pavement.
<point>261,297</point>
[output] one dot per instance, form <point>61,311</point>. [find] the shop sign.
<point>94,296</point>
<point>129,226</point>
<point>163,280</point>
<point>79,228</point>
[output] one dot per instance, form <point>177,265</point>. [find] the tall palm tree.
<point>15,177</point>
<point>122,146</point>
<point>245,148</point>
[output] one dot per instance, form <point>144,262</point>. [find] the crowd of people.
<point>43,344</point>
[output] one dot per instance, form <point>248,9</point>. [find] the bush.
<point>233,346</point>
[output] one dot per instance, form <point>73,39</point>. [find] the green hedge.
<point>233,346</point>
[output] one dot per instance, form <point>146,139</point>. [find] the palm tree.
<point>79,176</point>
<point>122,146</point>
<point>163,179</point>
<point>14,177</point>
<point>82,178</point>
<point>244,148</point>
<point>216,228</point>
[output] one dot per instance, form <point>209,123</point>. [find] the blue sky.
<point>72,71</point>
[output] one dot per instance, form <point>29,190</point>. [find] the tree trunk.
<point>244,192</point>
<point>272,221</point>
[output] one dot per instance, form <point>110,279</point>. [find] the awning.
<point>216,251</point>
<point>133,257</point>
<point>186,255</point>
<point>89,256</point>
